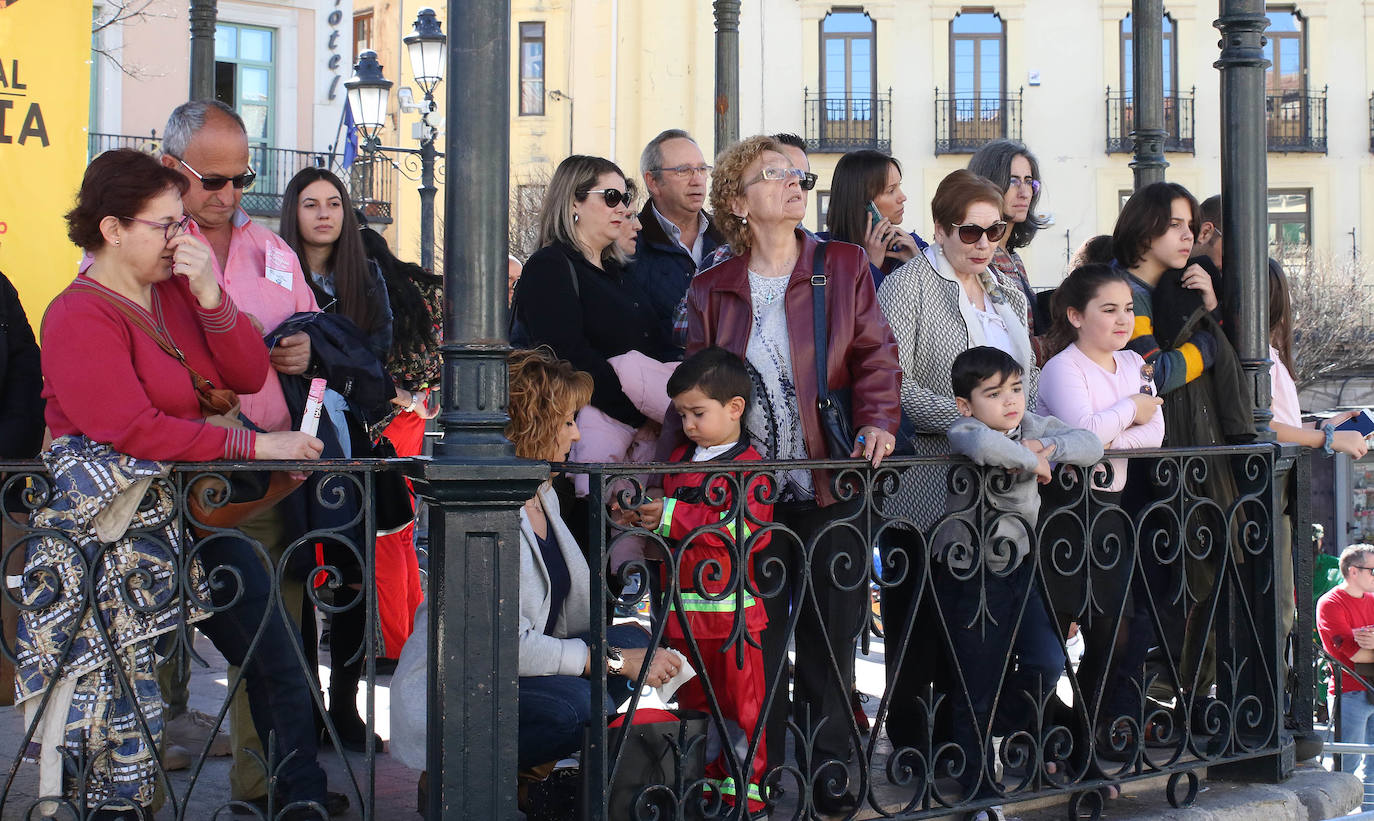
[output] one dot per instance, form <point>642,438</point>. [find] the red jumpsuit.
<point>711,611</point>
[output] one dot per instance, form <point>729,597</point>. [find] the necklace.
<point>766,290</point>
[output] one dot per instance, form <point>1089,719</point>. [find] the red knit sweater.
<point>105,378</point>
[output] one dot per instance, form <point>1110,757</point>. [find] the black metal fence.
<point>953,623</point>
<point>1178,122</point>
<point>965,122</point>
<point>1296,121</point>
<point>838,124</point>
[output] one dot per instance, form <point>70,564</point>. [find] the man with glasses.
<point>677,234</point>
<point>1345,622</point>
<point>206,141</point>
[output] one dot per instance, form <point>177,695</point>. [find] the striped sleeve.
<point>221,320</point>
<point>239,444</point>
<point>1175,367</point>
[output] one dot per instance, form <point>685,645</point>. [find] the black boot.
<point>346,668</point>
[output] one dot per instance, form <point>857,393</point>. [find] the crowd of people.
<point>664,332</point>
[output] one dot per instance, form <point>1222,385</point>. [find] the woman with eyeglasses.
<point>119,345</point>
<point>866,208</point>
<point>942,302</point>
<point>759,305</point>
<point>1013,168</point>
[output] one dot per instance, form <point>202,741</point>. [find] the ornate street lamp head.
<point>368,91</point>
<point>425,44</point>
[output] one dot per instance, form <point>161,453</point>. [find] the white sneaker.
<point>192,729</point>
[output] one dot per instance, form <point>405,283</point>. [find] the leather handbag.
<point>832,406</point>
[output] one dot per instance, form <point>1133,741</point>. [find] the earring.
<point>743,220</point>
<point>116,242</point>
<point>574,217</point>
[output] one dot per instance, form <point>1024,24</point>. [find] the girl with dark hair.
<point>1013,169</point>
<point>1094,382</point>
<point>862,179</point>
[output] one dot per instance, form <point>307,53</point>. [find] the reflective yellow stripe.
<point>727,787</point>
<point>697,603</point>
<point>666,522</point>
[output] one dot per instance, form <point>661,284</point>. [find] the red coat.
<point>689,504</point>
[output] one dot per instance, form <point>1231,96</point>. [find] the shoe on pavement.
<point>175,757</point>
<point>193,728</point>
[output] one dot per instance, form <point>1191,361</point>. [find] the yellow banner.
<point>45,78</point>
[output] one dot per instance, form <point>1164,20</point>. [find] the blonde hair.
<point>570,182</point>
<point>543,390</point>
<point>727,183</point>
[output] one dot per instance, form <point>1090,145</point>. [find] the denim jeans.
<point>555,710</point>
<point>279,693</point>
<point>1357,727</point>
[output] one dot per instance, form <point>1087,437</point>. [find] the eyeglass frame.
<point>796,173</point>
<point>622,197</point>
<point>686,172</point>
<point>1370,570</point>
<point>240,182</point>
<point>1017,182</point>
<point>808,180</point>
<point>958,230</point>
<point>167,232</point>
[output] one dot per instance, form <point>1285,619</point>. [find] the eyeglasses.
<point>169,229</point>
<point>613,196</point>
<point>969,234</point>
<point>1017,182</point>
<point>774,174</point>
<point>239,181</point>
<point>1370,570</point>
<point>684,172</point>
<point>808,181</point>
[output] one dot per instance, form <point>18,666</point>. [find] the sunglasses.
<point>969,234</point>
<point>239,181</point>
<point>613,196</point>
<point>808,181</point>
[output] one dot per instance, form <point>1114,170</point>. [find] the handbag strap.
<point>168,347</point>
<point>822,333</point>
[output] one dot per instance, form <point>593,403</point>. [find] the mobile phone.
<point>875,213</point>
<point>1362,423</point>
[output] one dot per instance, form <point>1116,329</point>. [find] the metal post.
<point>427,189</point>
<point>1147,71</point>
<point>474,483</point>
<point>203,14</point>
<point>727,73</point>
<point>1244,180</point>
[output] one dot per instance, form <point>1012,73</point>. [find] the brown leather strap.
<point>161,339</point>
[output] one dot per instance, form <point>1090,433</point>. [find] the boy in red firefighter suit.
<point>701,517</point>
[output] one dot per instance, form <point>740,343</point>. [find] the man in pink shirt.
<point>206,141</point>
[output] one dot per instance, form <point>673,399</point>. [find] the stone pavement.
<point>394,782</point>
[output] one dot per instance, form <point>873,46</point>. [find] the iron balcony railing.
<point>1201,568</point>
<point>966,122</point>
<point>372,181</point>
<point>838,124</point>
<point>1296,121</point>
<point>1178,122</point>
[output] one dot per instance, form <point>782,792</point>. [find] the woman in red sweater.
<point>107,378</point>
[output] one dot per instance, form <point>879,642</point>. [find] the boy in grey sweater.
<point>989,594</point>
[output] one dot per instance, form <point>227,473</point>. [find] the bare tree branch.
<point>1333,314</point>
<point>121,13</point>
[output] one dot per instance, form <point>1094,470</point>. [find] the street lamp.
<point>368,91</point>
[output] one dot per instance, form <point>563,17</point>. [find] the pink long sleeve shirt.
<point>1083,394</point>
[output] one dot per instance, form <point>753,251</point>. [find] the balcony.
<point>836,125</point>
<point>1178,122</point>
<point>1296,121</point>
<point>372,183</point>
<point>966,122</point>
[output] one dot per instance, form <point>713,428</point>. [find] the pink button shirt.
<point>1082,393</point>
<point>1286,407</point>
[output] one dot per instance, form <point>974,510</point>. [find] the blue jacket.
<point>662,269</point>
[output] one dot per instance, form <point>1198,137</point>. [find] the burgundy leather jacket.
<point>862,352</point>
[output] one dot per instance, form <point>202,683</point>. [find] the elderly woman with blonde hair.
<point>761,305</point>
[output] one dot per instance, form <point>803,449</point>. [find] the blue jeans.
<point>279,692</point>
<point>1357,727</point>
<point>555,710</point>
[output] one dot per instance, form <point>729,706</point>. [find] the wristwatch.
<point>1330,432</point>
<point>615,662</point>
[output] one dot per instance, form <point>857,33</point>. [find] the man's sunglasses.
<point>239,181</point>
<point>613,196</point>
<point>969,234</point>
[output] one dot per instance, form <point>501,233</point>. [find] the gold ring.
<point>888,446</point>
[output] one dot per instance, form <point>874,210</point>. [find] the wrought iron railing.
<point>965,122</point>
<point>187,569</point>
<point>1178,122</point>
<point>1201,570</point>
<point>1296,121</point>
<point>372,179</point>
<point>837,124</point>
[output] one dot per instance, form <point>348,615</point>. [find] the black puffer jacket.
<point>21,380</point>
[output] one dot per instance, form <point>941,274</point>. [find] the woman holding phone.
<point>866,208</point>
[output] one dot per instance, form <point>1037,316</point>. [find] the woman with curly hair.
<point>759,305</point>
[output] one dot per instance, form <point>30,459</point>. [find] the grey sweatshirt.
<point>1013,497</point>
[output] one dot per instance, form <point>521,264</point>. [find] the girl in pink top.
<point>1091,382</point>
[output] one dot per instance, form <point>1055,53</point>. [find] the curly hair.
<point>727,183</point>
<point>543,389</point>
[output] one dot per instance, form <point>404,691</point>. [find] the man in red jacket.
<point>1345,622</point>
<point>712,528</point>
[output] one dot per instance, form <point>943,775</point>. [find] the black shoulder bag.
<point>833,406</point>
